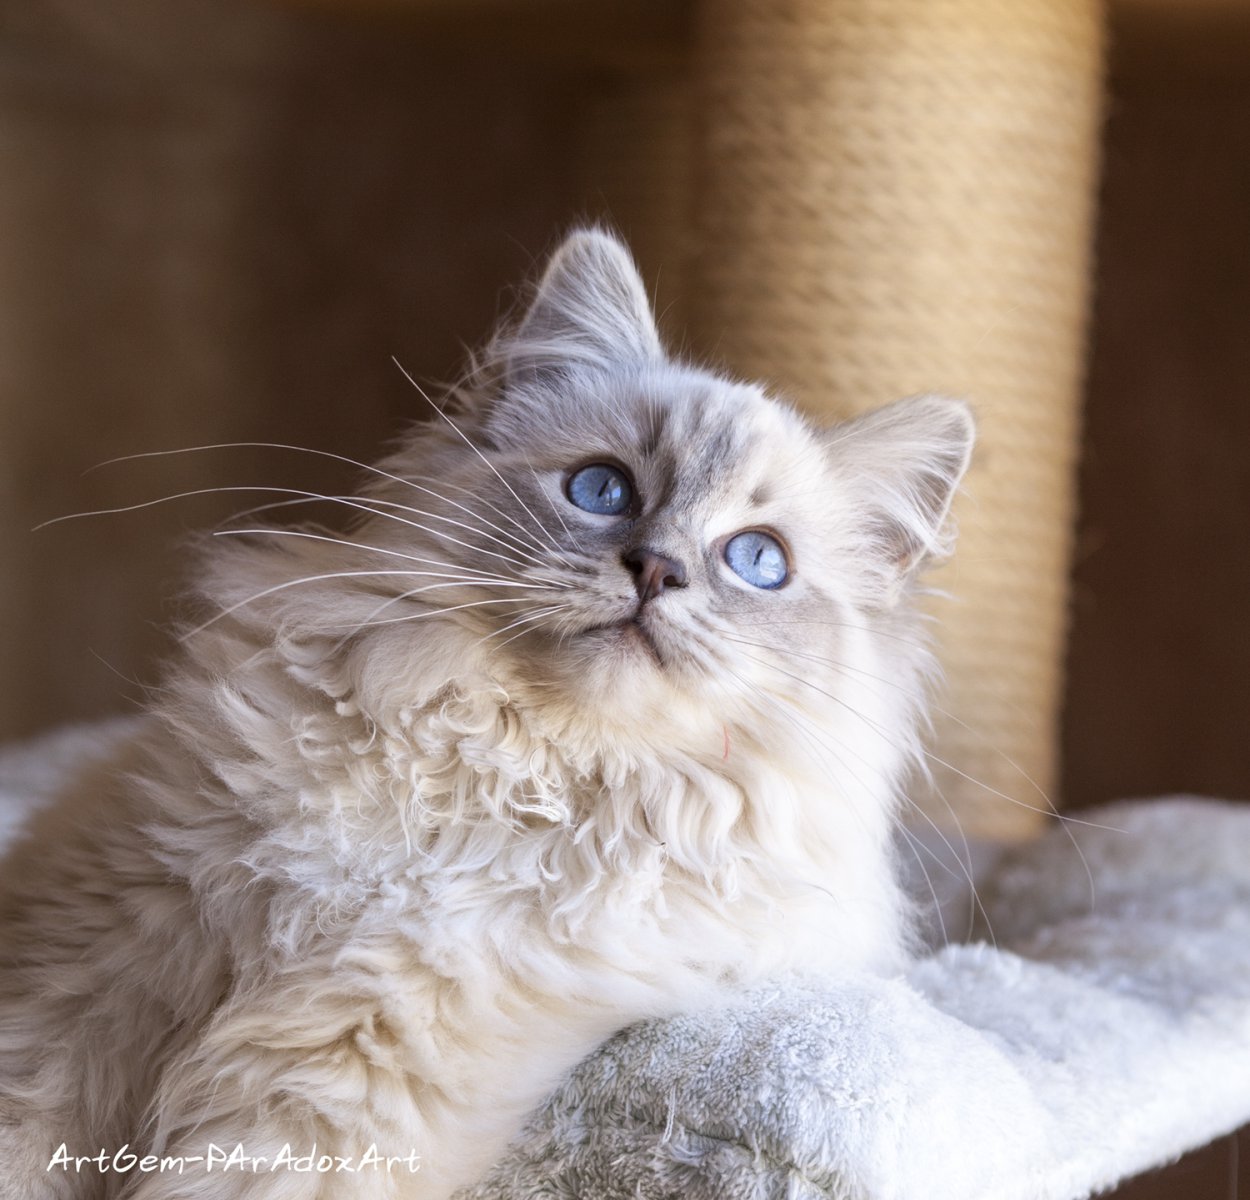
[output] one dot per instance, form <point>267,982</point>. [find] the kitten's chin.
<point>624,640</point>
<point>625,670</point>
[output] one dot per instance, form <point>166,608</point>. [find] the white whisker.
<point>816,738</point>
<point>511,544</point>
<point>368,505</point>
<point>460,433</point>
<point>550,503</point>
<point>975,904</point>
<point>127,508</point>
<point>308,497</point>
<point>369,623</point>
<point>915,845</point>
<point>329,454</point>
<point>530,540</point>
<point>1050,811</point>
<point>337,541</point>
<point>290,583</point>
<point>817,732</point>
<point>528,618</point>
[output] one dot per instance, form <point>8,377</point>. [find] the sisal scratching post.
<point>895,197</point>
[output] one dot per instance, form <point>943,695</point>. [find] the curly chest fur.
<point>469,833</point>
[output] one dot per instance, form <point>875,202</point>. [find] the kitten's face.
<point>648,535</point>
<point>688,520</point>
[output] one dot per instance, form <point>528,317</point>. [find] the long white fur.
<point>394,851</point>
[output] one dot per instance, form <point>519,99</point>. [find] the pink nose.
<point>653,572</point>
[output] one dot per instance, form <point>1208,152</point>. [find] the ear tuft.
<point>590,308</point>
<point>904,464</point>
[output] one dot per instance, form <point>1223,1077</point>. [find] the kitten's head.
<point>635,538</point>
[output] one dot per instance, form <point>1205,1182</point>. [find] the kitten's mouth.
<point>631,632</point>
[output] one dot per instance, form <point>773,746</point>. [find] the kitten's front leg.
<point>29,1151</point>
<point>317,1095</point>
<point>282,1146</point>
<point>263,1153</point>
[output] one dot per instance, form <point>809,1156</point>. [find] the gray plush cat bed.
<point>1105,1031</point>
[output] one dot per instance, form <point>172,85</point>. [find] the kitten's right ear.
<point>590,309</point>
<point>901,466</point>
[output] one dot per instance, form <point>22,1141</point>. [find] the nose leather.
<point>653,572</point>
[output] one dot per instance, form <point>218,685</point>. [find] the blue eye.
<point>600,488</point>
<point>757,558</point>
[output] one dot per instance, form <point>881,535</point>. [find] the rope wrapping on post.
<point>895,196</point>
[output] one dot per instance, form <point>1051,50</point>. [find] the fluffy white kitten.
<point>601,705</point>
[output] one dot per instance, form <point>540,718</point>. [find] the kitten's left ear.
<point>590,308</point>
<point>902,465</point>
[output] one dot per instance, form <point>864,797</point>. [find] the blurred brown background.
<point>219,220</point>
<point>1158,687</point>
